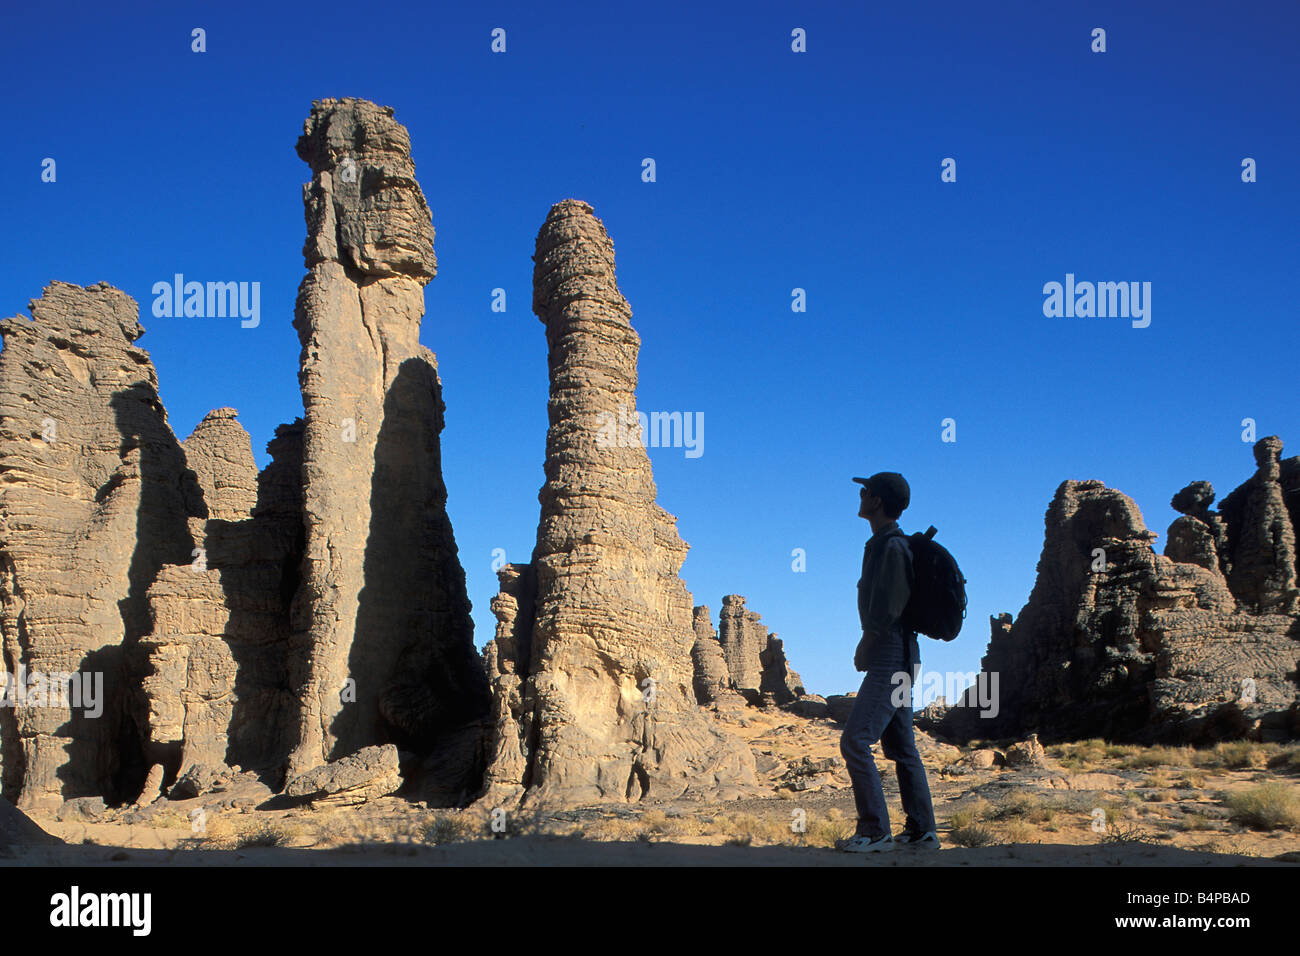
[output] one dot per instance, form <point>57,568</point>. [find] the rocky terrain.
<point>1199,644</point>
<point>287,656</point>
<point>998,804</point>
<point>308,626</point>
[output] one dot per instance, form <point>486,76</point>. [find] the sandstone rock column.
<point>1260,535</point>
<point>94,500</point>
<point>382,633</point>
<point>712,679</point>
<point>212,675</point>
<point>611,709</point>
<point>744,638</point>
<point>1197,536</point>
<point>779,681</point>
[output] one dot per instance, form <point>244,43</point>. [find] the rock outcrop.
<point>743,638</point>
<point>712,680</point>
<point>95,499</point>
<point>755,658</point>
<point>595,690</point>
<point>780,684</point>
<point>214,668</point>
<point>382,637</point>
<point>1199,536</point>
<point>365,775</point>
<point>1261,536</point>
<point>1119,642</point>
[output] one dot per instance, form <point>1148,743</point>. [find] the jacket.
<point>883,591</point>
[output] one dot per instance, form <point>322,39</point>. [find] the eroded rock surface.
<point>213,672</point>
<point>368,774</point>
<point>382,637</point>
<point>95,499</point>
<point>603,677</point>
<point>1119,642</point>
<point>754,657</point>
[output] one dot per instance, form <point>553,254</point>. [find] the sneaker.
<point>864,844</point>
<point>929,840</point>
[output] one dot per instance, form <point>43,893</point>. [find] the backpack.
<point>937,605</point>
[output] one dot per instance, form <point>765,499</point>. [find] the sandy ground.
<point>553,851</point>
<point>1087,804</point>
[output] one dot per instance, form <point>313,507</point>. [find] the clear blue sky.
<point>775,170</point>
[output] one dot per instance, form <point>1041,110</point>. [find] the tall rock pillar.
<point>608,708</point>
<point>382,632</point>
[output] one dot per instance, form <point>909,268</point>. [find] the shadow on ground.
<point>558,851</point>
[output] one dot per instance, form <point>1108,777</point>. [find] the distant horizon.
<point>776,171</point>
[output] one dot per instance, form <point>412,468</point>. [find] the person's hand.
<point>860,655</point>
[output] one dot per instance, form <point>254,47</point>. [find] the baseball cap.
<point>890,487</point>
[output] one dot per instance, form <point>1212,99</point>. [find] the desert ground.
<point>1087,803</point>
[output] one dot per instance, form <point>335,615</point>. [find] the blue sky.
<point>775,170</point>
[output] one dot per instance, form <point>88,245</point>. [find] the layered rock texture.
<point>713,683</point>
<point>279,622</point>
<point>95,499</point>
<point>214,685</point>
<point>592,663</point>
<point>1116,641</point>
<point>381,632</point>
<point>743,660</point>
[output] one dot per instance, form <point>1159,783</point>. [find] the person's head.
<point>884,495</point>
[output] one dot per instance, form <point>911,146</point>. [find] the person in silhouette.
<point>891,657</point>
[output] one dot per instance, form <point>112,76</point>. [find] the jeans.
<point>876,717</point>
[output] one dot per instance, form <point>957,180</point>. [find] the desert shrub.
<point>1233,755</point>
<point>1016,830</point>
<point>1158,757</point>
<point>1269,806</point>
<point>264,834</point>
<point>972,835</point>
<point>448,828</point>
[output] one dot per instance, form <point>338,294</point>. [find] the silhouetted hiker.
<point>891,657</point>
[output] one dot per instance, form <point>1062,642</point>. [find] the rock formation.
<point>274,621</point>
<point>779,684</point>
<point>595,688</point>
<point>712,679</point>
<point>743,640</point>
<point>1199,536</point>
<point>1119,642</point>
<point>214,668</point>
<point>1261,537</point>
<point>755,659</point>
<point>382,637</point>
<point>95,499</point>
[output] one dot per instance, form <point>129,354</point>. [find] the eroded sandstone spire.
<point>213,671</point>
<point>1119,642</point>
<point>712,679</point>
<point>95,499</point>
<point>382,632</point>
<point>606,708</point>
<point>1261,538</point>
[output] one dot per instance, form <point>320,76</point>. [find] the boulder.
<point>368,774</point>
<point>840,706</point>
